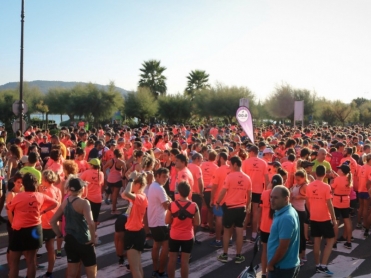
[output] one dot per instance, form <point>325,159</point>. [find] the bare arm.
<point>266,181</point>
<point>196,218</point>
<point>331,210</point>
<point>213,191</point>
<point>168,217</point>
<point>89,219</point>
<point>221,196</point>
<point>57,215</point>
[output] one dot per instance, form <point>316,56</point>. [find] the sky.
<point>322,46</point>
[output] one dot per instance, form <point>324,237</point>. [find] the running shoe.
<point>147,246</point>
<point>163,275</point>
<point>245,239</point>
<point>324,270</point>
<point>59,255</point>
<point>348,245</point>
<point>359,226</point>
<point>216,244</point>
<point>154,274</point>
<point>239,259</point>
<point>121,262</point>
<point>223,258</point>
<point>40,266</point>
<point>106,201</point>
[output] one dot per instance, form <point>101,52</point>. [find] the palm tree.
<point>152,77</point>
<point>197,80</point>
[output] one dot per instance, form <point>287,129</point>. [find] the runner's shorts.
<point>134,240</point>
<point>322,229</point>
<point>25,239</point>
<point>234,217</point>
<point>77,251</point>
<point>160,234</point>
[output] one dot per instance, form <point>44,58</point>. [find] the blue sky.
<point>318,45</point>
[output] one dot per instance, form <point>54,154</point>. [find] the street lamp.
<point>21,73</point>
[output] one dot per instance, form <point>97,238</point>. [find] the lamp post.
<point>21,73</point>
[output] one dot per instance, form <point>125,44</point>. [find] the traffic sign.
<point>16,107</point>
<point>16,125</point>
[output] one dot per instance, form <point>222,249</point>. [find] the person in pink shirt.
<point>55,164</point>
<point>82,164</point>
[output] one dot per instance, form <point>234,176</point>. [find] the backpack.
<point>183,213</point>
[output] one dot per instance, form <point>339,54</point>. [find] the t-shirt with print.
<point>364,176</point>
<point>26,207</point>
<point>265,204</point>
<point>238,185</point>
<point>135,213</point>
<point>54,193</point>
<point>208,168</point>
<point>156,213</point>
<point>33,171</point>
<point>218,178</point>
<point>256,169</point>
<point>325,164</point>
<point>197,174</point>
<point>184,175</point>
<point>341,192</point>
<point>95,181</point>
<point>318,193</point>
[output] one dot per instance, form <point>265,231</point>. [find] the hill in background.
<point>44,86</point>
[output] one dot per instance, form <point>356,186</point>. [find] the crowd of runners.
<point>177,179</point>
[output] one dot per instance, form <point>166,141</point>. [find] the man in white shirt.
<point>158,203</point>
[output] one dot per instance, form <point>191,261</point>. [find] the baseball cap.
<point>156,150</point>
<point>94,161</point>
<point>275,164</point>
<point>345,168</point>
<point>24,159</point>
<point>113,143</point>
<point>268,150</point>
<point>75,184</point>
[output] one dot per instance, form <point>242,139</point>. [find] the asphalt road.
<point>345,263</point>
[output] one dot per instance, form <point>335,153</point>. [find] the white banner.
<point>299,110</point>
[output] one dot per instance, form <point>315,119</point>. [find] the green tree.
<point>141,104</point>
<point>222,101</point>
<point>343,111</point>
<point>280,104</point>
<point>152,77</point>
<point>174,109</point>
<point>197,80</point>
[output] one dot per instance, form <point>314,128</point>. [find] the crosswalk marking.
<point>342,266</point>
<point>209,263</point>
<point>358,234</point>
<point>114,271</point>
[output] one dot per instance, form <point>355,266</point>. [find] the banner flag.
<point>244,118</point>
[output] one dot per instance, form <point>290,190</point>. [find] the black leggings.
<point>302,219</point>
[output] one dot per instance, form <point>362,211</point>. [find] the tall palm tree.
<point>197,80</point>
<point>152,77</point>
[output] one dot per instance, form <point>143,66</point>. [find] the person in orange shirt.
<point>182,215</point>
<point>208,168</point>
<point>148,145</point>
<point>49,178</point>
<point>290,167</point>
<point>183,174</point>
<point>322,218</point>
<point>257,170</point>
<point>95,179</point>
<point>266,219</point>
<point>235,197</point>
<point>364,182</point>
<point>80,160</point>
<point>135,236</point>
<point>25,211</point>
<point>342,186</point>
<point>218,181</point>
<point>109,155</point>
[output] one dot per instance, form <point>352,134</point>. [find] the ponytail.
<point>350,180</point>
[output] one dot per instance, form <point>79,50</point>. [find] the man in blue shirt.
<point>284,238</point>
